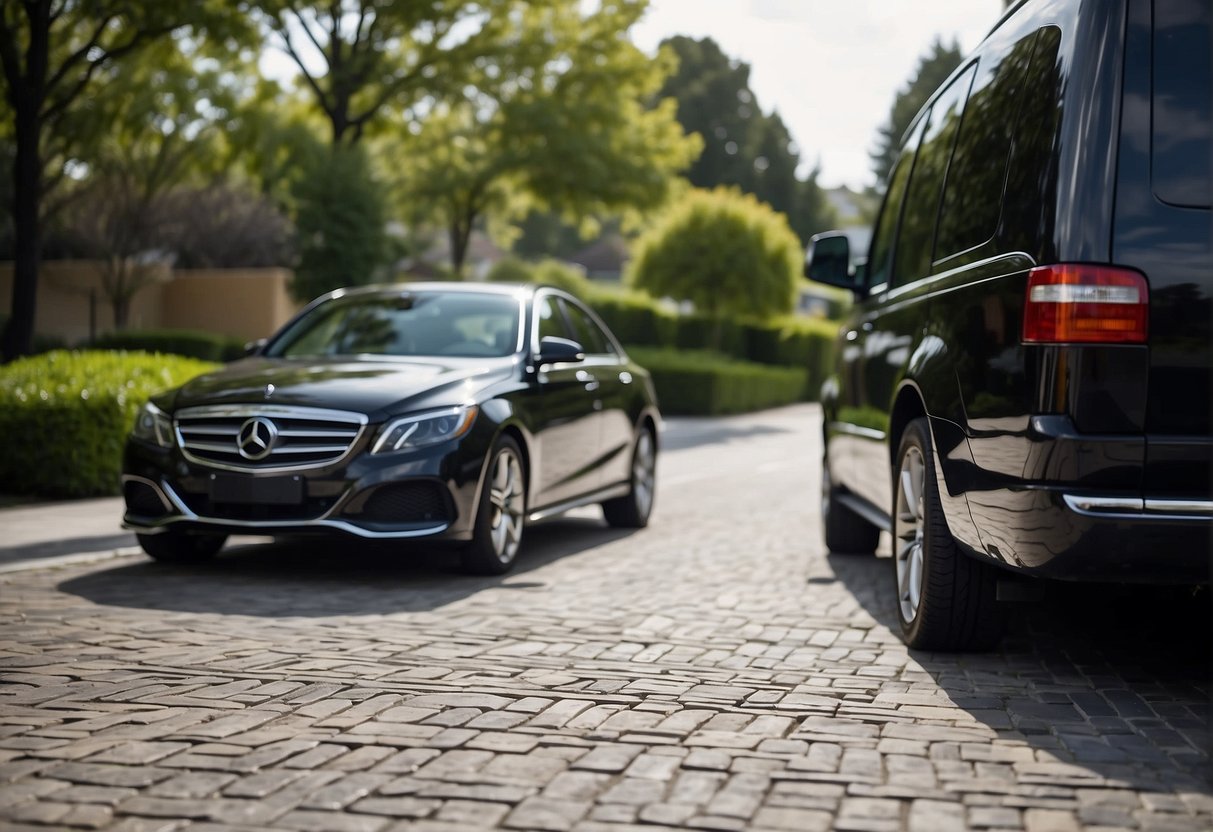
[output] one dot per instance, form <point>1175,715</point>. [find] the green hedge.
<point>206,346</point>
<point>65,415</point>
<point>702,383</point>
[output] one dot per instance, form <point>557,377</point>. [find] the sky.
<point>830,68</point>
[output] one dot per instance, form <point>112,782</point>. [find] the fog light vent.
<point>142,500</point>
<point>409,502</point>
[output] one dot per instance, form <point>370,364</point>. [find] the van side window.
<point>880,258</point>
<point>971,204</point>
<point>1181,148</point>
<point>917,236</point>
<point>1029,203</point>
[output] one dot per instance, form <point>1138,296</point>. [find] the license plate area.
<point>261,491</point>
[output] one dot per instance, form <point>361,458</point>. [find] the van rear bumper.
<point>1055,533</point>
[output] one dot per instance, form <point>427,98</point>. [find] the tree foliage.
<point>360,57</point>
<point>933,69</point>
<point>561,122</point>
<point>742,145</point>
<point>723,251</point>
<point>54,53</point>
<point>340,222</point>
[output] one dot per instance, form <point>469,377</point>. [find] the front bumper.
<point>429,493</point>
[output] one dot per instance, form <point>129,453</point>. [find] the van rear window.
<point>1182,140</point>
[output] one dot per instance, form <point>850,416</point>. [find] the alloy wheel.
<point>909,523</point>
<point>507,501</point>
<point>644,473</point>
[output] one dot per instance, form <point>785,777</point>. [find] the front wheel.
<point>946,600</point>
<point>497,533</point>
<point>175,546</point>
<point>632,510</point>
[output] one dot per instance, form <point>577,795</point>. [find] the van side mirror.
<point>828,261</point>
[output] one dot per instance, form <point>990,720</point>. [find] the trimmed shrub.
<point>548,272</point>
<point>701,383</point>
<point>635,319</point>
<point>206,346</point>
<point>65,415</point>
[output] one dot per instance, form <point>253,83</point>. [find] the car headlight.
<point>153,425</point>
<point>423,429</point>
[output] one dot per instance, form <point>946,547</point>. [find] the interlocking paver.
<point>715,671</point>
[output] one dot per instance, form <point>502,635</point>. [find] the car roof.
<point>513,289</point>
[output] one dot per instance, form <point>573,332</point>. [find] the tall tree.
<point>743,146</point>
<point>561,122</point>
<point>53,53</point>
<point>358,57</point>
<point>933,69</point>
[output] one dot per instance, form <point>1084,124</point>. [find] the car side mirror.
<point>255,347</point>
<point>828,261</point>
<point>553,350</point>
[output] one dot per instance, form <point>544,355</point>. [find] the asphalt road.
<point>717,670</point>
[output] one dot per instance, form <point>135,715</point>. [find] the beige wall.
<point>245,303</point>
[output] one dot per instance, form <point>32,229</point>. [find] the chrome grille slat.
<point>305,437</point>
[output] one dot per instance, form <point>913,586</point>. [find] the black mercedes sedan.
<point>411,412</point>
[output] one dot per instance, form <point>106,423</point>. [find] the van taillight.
<point>1074,303</point>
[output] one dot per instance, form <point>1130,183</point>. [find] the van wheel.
<point>845,531</point>
<point>632,510</point>
<point>945,599</point>
<point>497,533</point>
<point>181,547</point>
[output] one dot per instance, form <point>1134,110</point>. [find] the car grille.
<point>286,437</point>
<point>204,506</point>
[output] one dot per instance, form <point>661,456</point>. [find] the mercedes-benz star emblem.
<point>256,438</point>
<point>269,390</point>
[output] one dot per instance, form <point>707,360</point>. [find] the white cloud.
<point>831,69</point>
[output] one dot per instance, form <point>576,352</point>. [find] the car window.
<point>586,331</point>
<point>1032,171</point>
<point>407,324</point>
<point>551,322</point>
<point>880,256</point>
<point>1181,146</point>
<point>916,239</point>
<point>972,197</point>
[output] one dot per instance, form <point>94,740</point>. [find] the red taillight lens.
<point>1072,303</point>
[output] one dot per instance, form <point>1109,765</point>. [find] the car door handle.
<point>588,380</point>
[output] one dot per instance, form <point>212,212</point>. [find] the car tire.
<point>181,547</point>
<point>501,516</point>
<point>946,600</point>
<point>846,533</point>
<point>632,510</point>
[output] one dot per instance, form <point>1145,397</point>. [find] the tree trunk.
<point>27,199</point>
<point>460,235</point>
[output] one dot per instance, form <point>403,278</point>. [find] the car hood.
<point>376,387</point>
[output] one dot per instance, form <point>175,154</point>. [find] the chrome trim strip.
<point>597,497</point>
<point>1134,508</point>
<point>1103,504</point>
<point>866,510</point>
<point>267,526</point>
<point>318,414</point>
<point>1200,507</point>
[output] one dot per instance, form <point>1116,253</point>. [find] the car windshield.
<point>410,323</point>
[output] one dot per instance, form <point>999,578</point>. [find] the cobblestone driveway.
<point>716,671</point>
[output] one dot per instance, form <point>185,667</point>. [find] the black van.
<point>1024,383</point>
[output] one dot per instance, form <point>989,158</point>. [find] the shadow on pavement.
<point>71,546</point>
<point>329,576</point>
<point>1113,679</point>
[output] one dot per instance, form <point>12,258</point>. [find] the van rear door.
<point>1163,228</point>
